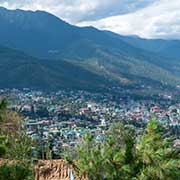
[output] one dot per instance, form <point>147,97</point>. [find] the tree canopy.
<point>123,156</point>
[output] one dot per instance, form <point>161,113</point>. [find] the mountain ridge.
<point>112,58</point>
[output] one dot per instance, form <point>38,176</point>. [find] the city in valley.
<point>58,120</point>
<point>89,90</point>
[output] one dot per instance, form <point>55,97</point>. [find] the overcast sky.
<point>146,18</point>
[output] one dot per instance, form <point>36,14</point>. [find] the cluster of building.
<point>60,119</point>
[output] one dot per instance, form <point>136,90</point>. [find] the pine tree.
<point>120,157</point>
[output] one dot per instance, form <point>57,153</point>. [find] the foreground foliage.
<point>15,147</point>
<point>16,171</point>
<point>123,157</point>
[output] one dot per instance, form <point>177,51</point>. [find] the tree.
<point>20,148</point>
<point>111,159</point>
<point>3,139</point>
<point>122,156</point>
<point>3,107</point>
<point>15,146</point>
<point>158,160</point>
<point>10,122</point>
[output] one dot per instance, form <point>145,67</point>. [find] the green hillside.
<point>78,57</point>
<point>18,70</point>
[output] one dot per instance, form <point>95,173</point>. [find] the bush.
<point>2,150</point>
<point>15,171</point>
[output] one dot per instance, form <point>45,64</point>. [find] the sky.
<point>145,18</point>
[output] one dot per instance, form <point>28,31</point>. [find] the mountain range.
<point>39,50</point>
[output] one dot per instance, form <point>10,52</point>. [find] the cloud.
<point>79,10</point>
<point>146,18</point>
<point>159,20</point>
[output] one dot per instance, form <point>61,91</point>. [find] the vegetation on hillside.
<point>23,71</point>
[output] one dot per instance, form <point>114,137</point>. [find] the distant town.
<point>60,119</point>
